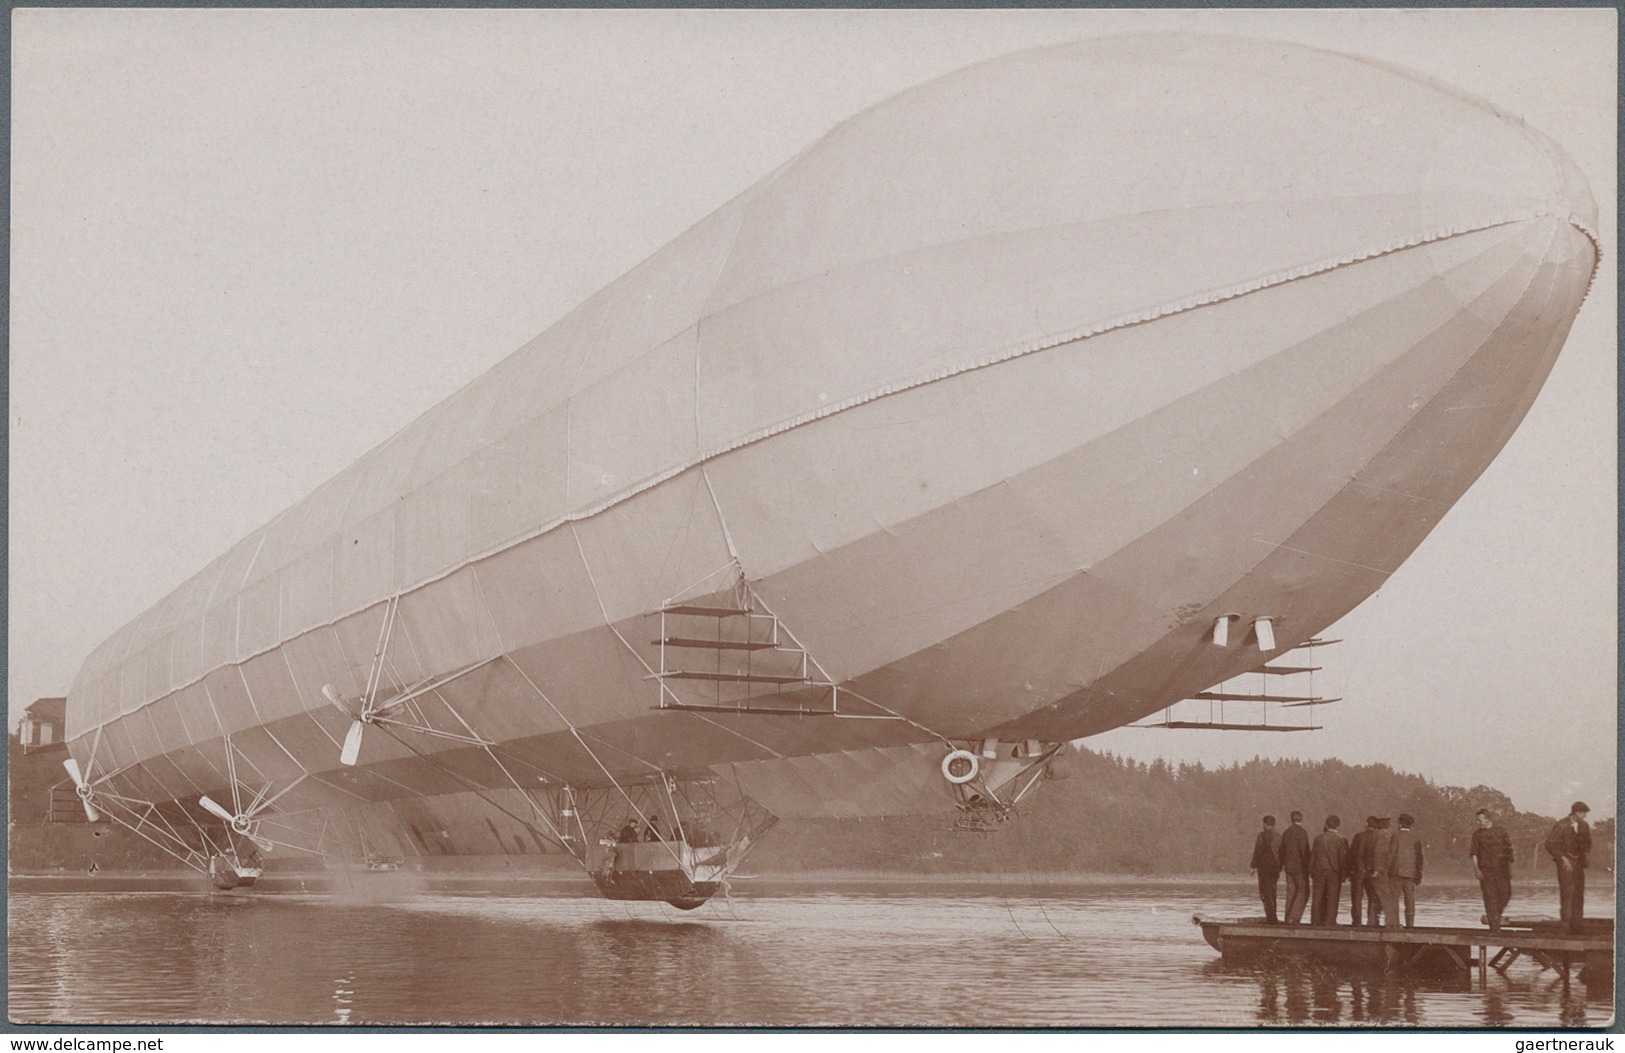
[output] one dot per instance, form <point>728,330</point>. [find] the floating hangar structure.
<point>1012,410</point>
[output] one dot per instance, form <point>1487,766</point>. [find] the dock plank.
<point>1429,948</point>
<point>1441,936</point>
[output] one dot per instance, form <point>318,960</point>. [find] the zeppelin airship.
<point>1012,410</point>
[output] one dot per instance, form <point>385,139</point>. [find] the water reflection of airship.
<point>1010,411</point>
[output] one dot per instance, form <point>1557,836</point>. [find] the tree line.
<point>1101,814</point>
<point>1114,814</point>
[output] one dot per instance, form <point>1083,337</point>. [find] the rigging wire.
<point>556,835</point>
<point>1004,898</point>
<point>1032,883</point>
<point>998,870</point>
<point>479,791</point>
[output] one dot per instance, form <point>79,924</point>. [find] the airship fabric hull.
<point>987,405</point>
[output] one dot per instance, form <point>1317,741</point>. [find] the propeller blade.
<point>330,693</point>
<point>352,744</point>
<point>79,784</point>
<point>261,843</point>
<point>214,809</point>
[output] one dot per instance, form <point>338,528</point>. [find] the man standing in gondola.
<point>622,857</point>
<point>1267,864</point>
<point>1492,865</point>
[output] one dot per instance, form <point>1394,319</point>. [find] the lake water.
<point>1010,954</point>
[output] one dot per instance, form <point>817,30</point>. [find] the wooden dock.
<point>1431,951</point>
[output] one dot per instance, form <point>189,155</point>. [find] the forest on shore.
<point>1101,814</point>
<point>1113,814</point>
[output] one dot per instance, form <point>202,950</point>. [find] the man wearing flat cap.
<point>1360,890</point>
<point>1382,873</point>
<point>1492,865</point>
<point>1267,863</point>
<point>1569,844</point>
<point>1295,864</point>
<point>1328,864</point>
<point>1407,870</point>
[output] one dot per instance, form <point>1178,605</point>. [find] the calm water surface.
<point>1018,954</point>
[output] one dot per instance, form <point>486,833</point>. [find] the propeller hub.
<point>241,824</point>
<point>85,791</point>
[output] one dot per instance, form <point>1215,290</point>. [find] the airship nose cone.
<point>1506,159</point>
<point>1565,233</point>
<point>1052,192</point>
<point>1571,195</point>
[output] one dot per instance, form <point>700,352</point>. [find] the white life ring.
<point>961,766</point>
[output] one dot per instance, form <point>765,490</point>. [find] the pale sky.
<point>247,246</point>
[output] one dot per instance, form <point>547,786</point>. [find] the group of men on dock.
<point>1383,866</point>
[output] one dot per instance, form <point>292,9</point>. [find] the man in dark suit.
<point>1328,862</point>
<point>1569,845</point>
<point>1295,865</point>
<point>1492,865</point>
<point>1407,870</point>
<point>1381,867</point>
<point>1267,864</point>
<point>1359,875</point>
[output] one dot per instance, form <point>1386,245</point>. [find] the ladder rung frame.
<point>722,614</point>
<point>714,645</point>
<point>733,678</point>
